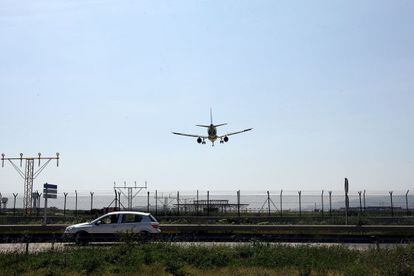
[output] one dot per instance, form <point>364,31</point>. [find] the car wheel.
<point>82,238</point>
<point>144,236</point>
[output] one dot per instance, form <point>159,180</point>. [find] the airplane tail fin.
<point>211,120</point>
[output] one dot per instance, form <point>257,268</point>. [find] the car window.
<point>131,218</point>
<point>109,219</point>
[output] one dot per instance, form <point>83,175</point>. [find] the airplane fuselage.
<point>212,133</point>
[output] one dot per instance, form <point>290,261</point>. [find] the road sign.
<point>49,186</point>
<point>49,191</point>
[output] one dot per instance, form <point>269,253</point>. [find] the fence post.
<point>300,203</point>
<point>238,203</point>
<point>330,203</point>
<point>156,202</point>
<point>91,201</point>
<point>346,200</point>
<point>64,204</point>
<point>76,203</point>
<point>178,203</point>
<point>148,200</point>
<point>392,206</point>
<point>208,203</point>
<point>365,206</point>
<point>281,203</point>
<point>119,200</point>
<point>197,204</point>
<point>268,203</point>
<point>406,202</point>
<point>14,204</point>
<point>323,215</point>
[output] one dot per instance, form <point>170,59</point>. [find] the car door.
<point>106,225</point>
<point>131,223</point>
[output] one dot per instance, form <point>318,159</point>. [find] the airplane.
<point>212,133</point>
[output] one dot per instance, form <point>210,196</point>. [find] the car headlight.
<point>68,229</point>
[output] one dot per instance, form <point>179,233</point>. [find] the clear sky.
<point>328,87</point>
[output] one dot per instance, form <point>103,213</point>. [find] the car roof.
<point>128,212</point>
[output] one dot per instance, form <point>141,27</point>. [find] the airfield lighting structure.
<point>130,192</point>
<point>29,174</point>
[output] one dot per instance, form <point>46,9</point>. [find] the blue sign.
<point>49,186</point>
<point>49,196</point>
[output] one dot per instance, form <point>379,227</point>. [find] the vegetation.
<point>252,259</point>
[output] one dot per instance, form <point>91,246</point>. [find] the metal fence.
<point>266,202</point>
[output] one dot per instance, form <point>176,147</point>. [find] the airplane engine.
<point>226,139</point>
<point>199,140</point>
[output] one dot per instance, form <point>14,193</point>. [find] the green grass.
<point>256,258</point>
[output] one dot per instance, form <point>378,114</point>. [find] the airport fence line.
<point>232,202</point>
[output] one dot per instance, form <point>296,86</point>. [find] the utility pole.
<point>300,203</point>
<point>29,174</point>
<point>392,206</point>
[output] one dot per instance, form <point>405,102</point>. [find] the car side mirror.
<point>98,222</point>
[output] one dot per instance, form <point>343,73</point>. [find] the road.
<point>32,248</point>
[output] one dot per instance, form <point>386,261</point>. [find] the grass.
<point>252,259</point>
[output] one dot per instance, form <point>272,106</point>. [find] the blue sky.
<point>326,85</point>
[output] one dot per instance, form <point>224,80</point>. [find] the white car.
<point>106,226</point>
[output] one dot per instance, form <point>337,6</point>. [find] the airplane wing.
<point>190,135</point>
<point>233,133</point>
